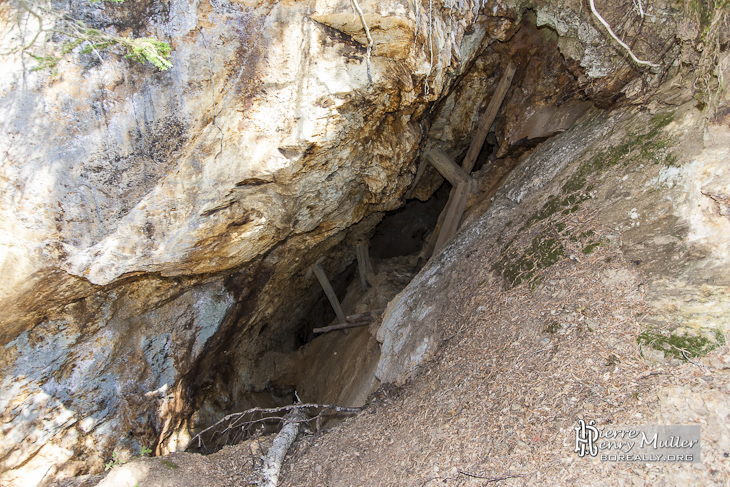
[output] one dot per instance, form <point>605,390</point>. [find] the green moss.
<point>645,144</point>
<point>552,328</point>
<point>543,252</point>
<point>554,205</point>
<point>169,464</point>
<point>676,345</point>
<point>591,247</point>
<point>670,160</point>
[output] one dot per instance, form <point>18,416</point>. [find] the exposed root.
<point>356,6</point>
<point>616,38</point>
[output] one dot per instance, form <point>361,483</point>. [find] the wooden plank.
<point>364,266</point>
<point>419,174</point>
<point>486,120</point>
<point>366,315</point>
<point>352,321</point>
<point>342,326</point>
<point>448,168</point>
<point>453,212</point>
<point>329,292</point>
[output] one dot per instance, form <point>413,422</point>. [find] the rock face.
<point>156,227</point>
<point>654,183</point>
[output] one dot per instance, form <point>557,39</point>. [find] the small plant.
<point>115,461</point>
<point>683,344</point>
<point>169,464</point>
<point>552,328</point>
<point>77,33</point>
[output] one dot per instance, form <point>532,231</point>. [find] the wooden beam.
<point>453,212</point>
<point>448,168</point>
<point>331,296</point>
<point>486,120</point>
<point>364,266</point>
<point>419,174</point>
<point>366,315</point>
<point>342,326</point>
<point>352,321</point>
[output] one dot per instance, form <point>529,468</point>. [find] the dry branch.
<point>235,420</point>
<point>282,442</point>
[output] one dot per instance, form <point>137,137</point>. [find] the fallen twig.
<point>489,479</point>
<point>282,442</point>
<point>236,416</point>
<point>467,474</point>
<point>686,357</point>
<point>645,376</point>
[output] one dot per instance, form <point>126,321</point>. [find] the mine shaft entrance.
<point>455,180</point>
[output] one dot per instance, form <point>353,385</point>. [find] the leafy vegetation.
<point>117,460</point>
<point>72,33</point>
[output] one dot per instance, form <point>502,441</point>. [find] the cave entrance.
<point>338,367</point>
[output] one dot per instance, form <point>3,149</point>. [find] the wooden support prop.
<point>366,315</point>
<point>364,266</point>
<point>485,122</point>
<point>448,168</point>
<point>419,174</point>
<point>453,212</point>
<point>353,321</point>
<point>342,326</point>
<point>325,283</point>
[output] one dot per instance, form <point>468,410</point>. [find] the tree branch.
<point>235,416</point>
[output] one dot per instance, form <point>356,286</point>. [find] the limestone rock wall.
<point>155,227</point>
<point>654,185</point>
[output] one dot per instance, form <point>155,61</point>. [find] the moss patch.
<point>559,205</point>
<point>638,146</point>
<point>694,343</point>
<point>552,328</point>
<point>169,464</point>
<point>591,247</point>
<point>544,251</point>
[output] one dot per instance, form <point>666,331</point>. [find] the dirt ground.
<point>499,403</point>
<point>520,367</point>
